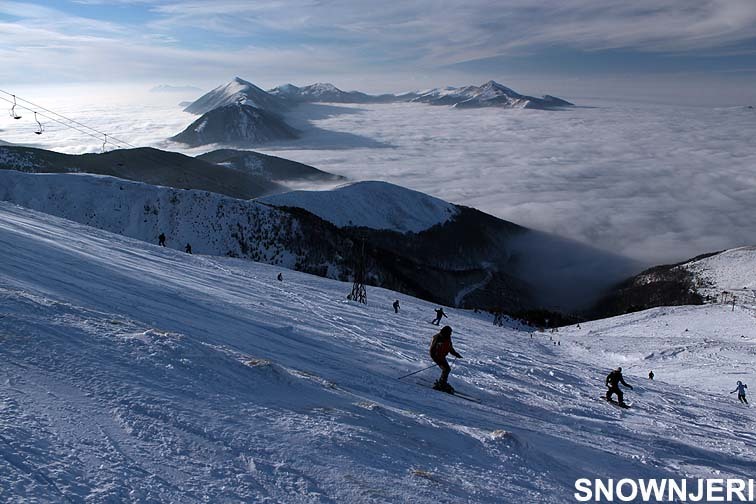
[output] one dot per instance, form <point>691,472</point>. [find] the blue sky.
<point>687,51</point>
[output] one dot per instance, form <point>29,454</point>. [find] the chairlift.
<point>103,143</point>
<point>40,127</point>
<point>13,109</point>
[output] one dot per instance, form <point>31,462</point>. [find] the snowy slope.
<point>211,223</point>
<point>372,204</point>
<point>709,347</point>
<point>731,270</point>
<point>137,373</point>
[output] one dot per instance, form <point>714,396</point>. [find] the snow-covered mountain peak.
<point>323,87</point>
<point>489,94</point>
<point>234,91</point>
<point>372,204</point>
<point>284,89</point>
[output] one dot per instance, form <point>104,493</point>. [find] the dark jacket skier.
<point>396,306</point>
<point>440,347</point>
<point>280,277</point>
<point>161,240</point>
<point>188,249</point>
<point>613,380</point>
<point>650,375</point>
<point>740,389</point>
<point>439,314</point>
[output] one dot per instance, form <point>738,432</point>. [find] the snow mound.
<point>371,204</point>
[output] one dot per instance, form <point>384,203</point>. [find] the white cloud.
<point>292,39</point>
<point>658,183</point>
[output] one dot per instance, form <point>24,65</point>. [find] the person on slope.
<point>650,375</point>
<point>440,347</point>
<point>396,306</point>
<point>188,249</point>
<point>613,380</point>
<point>439,314</point>
<point>740,389</point>
<point>280,277</point>
<point>161,240</point>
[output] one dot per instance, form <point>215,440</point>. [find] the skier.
<point>161,240</point>
<point>280,277</point>
<point>650,375</point>
<point>396,306</point>
<point>439,314</point>
<point>188,249</point>
<point>613,380</point>
<point>740,389</point>
<point>441,346</point>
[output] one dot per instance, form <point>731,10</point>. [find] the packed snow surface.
<point>376,205</point>
<point>136,373</point>
<point>730,270</point>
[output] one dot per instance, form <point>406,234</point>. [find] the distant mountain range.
<point>324,92</point>
<point>242,114</point>
<point>490,94</point>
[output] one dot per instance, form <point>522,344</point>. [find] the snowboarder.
<point>650,375</point>
<point>396,306</point>
<point>440,347</point>
<point>740,389</point>
<point>439,314</point>
<point>188,249</point>
<point>613,380</point>
<point>161,240</point>
<point>280,277</point>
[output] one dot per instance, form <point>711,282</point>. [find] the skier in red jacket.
<point>440,347</point>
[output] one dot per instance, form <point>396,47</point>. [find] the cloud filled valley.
<point>656,183</point>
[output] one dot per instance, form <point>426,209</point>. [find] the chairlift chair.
<point>13,109</point>
<point>40,127</point>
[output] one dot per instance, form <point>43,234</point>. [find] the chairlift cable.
<point>98,137</point>
<point>40,107</point>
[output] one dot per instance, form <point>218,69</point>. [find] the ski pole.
<point>415,372</point>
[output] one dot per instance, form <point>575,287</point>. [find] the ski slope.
<point>134,373</point>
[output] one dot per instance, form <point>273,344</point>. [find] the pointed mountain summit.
<point>238,90</point>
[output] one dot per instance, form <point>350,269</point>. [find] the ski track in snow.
<point>131,372</point>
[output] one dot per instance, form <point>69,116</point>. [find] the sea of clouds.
<point>656,183</point>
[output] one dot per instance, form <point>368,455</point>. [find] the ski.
<point>455,393</point>
<point>466,397</point>
<point>616,404</point>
